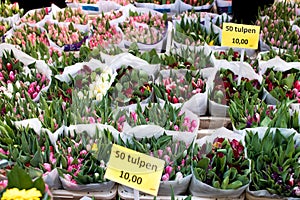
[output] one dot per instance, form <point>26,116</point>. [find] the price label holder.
<point>240,36</point>
<point>136,170</point>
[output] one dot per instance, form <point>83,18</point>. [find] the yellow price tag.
<point>240,35</point>
<point>134,169</point>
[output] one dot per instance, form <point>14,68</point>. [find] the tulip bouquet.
<point>188,15</point>
<point>28,38</point>
<point>280,10</point>
<point>103,34</point>
<point>177,156</point>
<point>93,84</point>
<point>15,77</point>
<point>71,15</point>
<point>64,35</point>
<point>226,86</point>
<point>165,116</point>
<point>35,16</point>
<point>4,27</point>
<point>25,148</point>
<point>131,86</point>
<point>288,56</point>
<point>254,113</point>
<point>281,36</point>
<point>146,28</point>
<point>61,59</point>
<point>8,10</point>
<point>179,87</point>
<point>194,33</point>
<point>221,164</point>
<point>282,85</point>
<point>275,157</point>
<point>186,58</point>
<point>84,157</point>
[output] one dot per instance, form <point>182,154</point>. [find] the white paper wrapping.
<point>168,8</point>
<point>93,187</point>
<point>73,70</point>
<point>198,188</point>
<point>127,59</point>
<point>186,7</point>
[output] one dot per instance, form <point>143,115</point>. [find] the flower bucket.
<point>165,8</point>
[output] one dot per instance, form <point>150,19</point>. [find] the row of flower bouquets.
<point>67,29</point>
<point>263,162</point>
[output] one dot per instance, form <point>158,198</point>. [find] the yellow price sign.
<point>240,35</point>
<point>134,169</point>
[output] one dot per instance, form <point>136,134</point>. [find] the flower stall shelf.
<point>274,153</point>
<point>220,167</point>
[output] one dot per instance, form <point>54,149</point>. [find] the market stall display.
<point>150,76</point>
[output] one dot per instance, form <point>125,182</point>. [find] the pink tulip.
<point>178,176</point>
<point>47,167</point>
<point>165,177</point>
<point>169,170</point>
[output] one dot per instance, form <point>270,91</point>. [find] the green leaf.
<point>39,184</point>
<point>225,182</point>
<point>235,185</point>
<point>37,159</point>
<point>18,178</point>
<point>203,163</point>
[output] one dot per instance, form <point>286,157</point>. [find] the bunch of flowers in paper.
<point>34,17</point>
<point>165,116</point>
<point>28,37</point>
<point>282,85</point>
<point>63,34</point>
<point>131,86</point>
<point>179,88</point>
<point>15,77</point>
<point>104,34</point>
<point>193,33</point>
<point>222,164</point>
<point>4,27</point>
<point>8,10</point>
<point>146,28</point>
<point>68,14</point>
